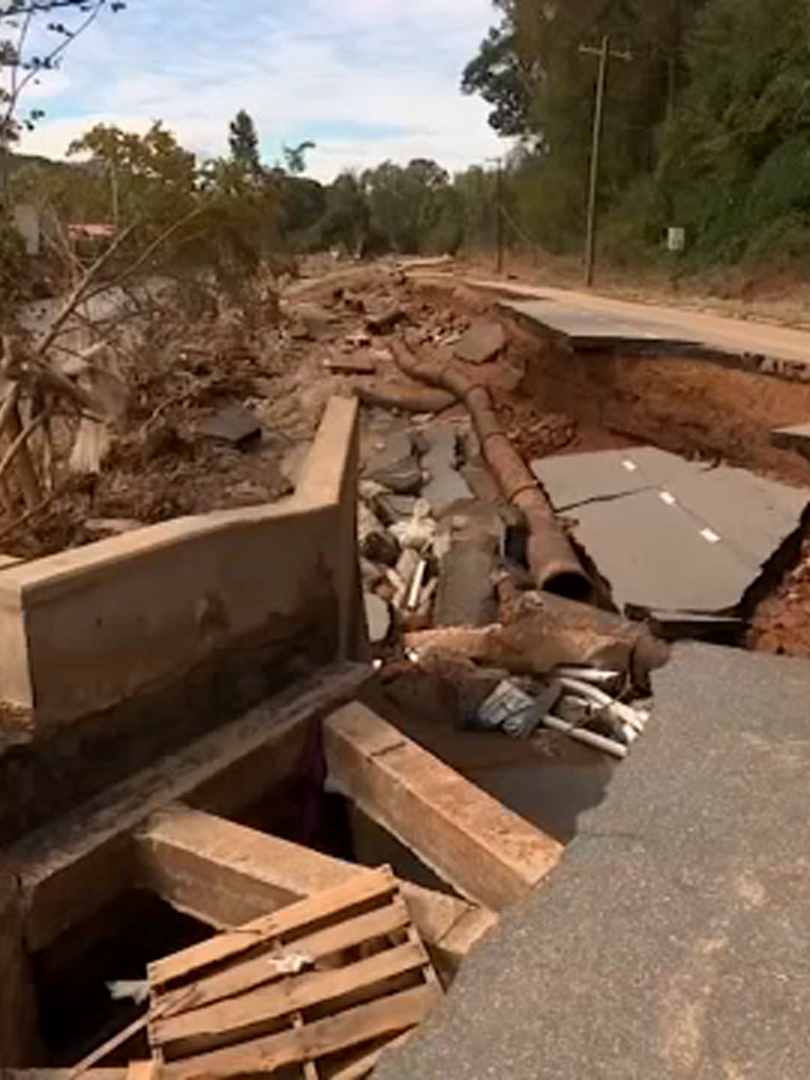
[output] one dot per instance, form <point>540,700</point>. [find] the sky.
<point>367,80</point>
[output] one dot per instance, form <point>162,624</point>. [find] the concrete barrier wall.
<point>85,630</point>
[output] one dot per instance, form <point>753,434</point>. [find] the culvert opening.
<point>77,1011</point>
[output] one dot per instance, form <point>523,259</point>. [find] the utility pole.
<point>499,200</point>
<point>499,235</point>
<point>605,56</point>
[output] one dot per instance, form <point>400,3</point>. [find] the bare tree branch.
<point>80,292</point>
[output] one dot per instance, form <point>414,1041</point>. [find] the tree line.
<point>707,127</point>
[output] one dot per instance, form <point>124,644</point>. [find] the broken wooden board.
<point>325,983</point>
<point>224,874</point>
<point>73,868</point>
<point>473,842</point>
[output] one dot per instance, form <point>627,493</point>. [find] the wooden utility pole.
<point>499,211</point>
<point>605,55</point>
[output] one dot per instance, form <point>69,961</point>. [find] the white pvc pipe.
<point>588,738</point>
<point>415,591</point>
<point>636,718</point>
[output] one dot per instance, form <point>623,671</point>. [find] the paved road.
<point>599,317</point>
<point>674,940</point>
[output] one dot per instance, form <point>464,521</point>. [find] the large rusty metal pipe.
<point>552,560</point>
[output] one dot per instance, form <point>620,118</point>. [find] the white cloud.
<point>366,79</point>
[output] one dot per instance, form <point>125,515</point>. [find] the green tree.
<point>150,178</point>
<point>410,207</point>
<point>295,157</point>
<point>735,166</point>
<point>244,142</point>
<point>532,71</point>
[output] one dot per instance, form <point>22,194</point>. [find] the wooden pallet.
<point>316,990</point>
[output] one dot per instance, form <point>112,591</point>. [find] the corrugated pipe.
<point>552,559</point>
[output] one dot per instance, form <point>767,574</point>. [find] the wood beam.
<point>227,875</point>
<point>70,870</point>
<point>468,838</point>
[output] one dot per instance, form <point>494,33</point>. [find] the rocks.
<point>403,478</point>
<point>392,508</point>
<point>380,546</point>
<point>378,618</point>
<point>395,465</point>
<point>482,343</point>
<point>445,486</point>
<point>386,321</point>
<point>466,594</point>
<point>358,362</point>
<point>234,426</point>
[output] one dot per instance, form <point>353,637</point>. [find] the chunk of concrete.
<point>379,546</point>
<point>385,321</point>
<point>392,508</point>
<point>466,594</point>
<point>378,618</point>
<point>395,465</point>
<point>482,343</point>
<point>234,425</point>
<point>444,490</point>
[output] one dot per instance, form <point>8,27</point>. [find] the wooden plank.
<point>310,1069</point>
<point>255,973</point>
<point>225,875</point>
<point>472,841</point>
<point>113,1043</point>
<point>294,921</point>
<point>143,1070</point>
<point>390,1016</point>
<point>73,868</point>
<point>255,1014</point>
<point>62,1074</point>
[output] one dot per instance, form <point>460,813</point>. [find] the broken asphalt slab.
<point>795,438</point>
<point>674,938</point>
<point>671,535</point>
<point>586,330</point>
<point>446,486</point>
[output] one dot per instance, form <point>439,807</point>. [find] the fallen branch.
<point>29,515</point>
<point>28,483</point>
<point>148,253</point>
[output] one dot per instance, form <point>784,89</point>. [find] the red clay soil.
<point>690,407</point>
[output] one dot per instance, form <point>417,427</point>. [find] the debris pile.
<point>143,404</point>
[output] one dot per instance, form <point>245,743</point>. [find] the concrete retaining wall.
<point>135,643</point>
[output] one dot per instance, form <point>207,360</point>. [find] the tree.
<point>153,177</point>
<point>496,75</point>
<point>346,222</point>
<point>295,157</point>
<point>735,166</point>
<point>21,65</point>
<point>244,142</point>
<point>531,70</point>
